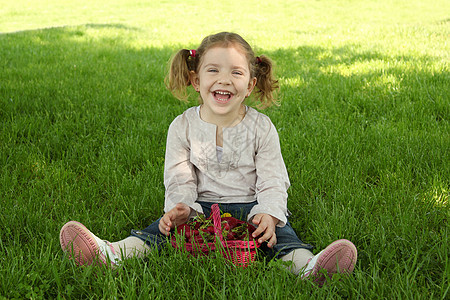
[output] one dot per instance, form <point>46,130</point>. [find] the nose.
<point>224,79</point>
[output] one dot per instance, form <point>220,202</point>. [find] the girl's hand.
<point>266,226</point>
<point>176,216</point>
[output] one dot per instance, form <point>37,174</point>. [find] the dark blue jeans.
<point>287,239</point>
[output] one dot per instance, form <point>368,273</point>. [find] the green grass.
<point>364,128</point>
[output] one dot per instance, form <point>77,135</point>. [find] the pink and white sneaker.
<point>85,247</point>
<point>339,257</point>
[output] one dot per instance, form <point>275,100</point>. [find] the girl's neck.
<point>223,121</point>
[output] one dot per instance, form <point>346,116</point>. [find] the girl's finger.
<point>165,224</point>
<point>273,241</point>
<point>259,230</point>
<point>162,228</point>
<point>256,219</point>
<point>267,235</point>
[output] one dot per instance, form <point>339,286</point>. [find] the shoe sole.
<point>79,243</point>
<point>339,257</point>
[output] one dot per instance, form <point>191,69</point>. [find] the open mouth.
<point>222,96</point>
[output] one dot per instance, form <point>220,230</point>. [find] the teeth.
<point>223,93</point>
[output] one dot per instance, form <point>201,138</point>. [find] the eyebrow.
<point>217,65</point>
<point>210,65</point>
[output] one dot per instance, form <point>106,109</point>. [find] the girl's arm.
<point>272,180</point>
<point>180,179</point>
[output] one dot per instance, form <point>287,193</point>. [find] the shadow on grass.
<point>89,25</point>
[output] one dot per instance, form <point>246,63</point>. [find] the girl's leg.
<point>130,247</point>
<point>300,258</point>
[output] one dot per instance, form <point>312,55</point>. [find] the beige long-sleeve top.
<point>251,167</point>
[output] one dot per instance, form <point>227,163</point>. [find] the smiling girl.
<point>224,152</point>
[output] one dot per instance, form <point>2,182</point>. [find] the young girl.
<point>225,152</point>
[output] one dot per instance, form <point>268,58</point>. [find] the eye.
<point>237,73</point>
<point>212,70</point>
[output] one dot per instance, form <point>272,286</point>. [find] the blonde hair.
<point>182,63</point>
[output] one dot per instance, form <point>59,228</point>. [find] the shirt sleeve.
<point>180,179</point>
<point>272,181</point>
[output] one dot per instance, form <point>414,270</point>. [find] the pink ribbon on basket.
<point>217,222</point>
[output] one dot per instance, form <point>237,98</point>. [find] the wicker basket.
<point>239,252</point>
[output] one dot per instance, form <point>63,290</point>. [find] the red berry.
<point>231,236</point>
<point>226,226</point>
<point>210,229</point>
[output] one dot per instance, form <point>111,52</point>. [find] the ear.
<point>251,86</point>
<point>195,80</point>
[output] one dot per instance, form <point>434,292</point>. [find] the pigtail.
<point>266,83</point>
<point>177,79</point>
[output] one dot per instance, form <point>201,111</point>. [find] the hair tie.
<point>258,60</point>
<point>192,53</point>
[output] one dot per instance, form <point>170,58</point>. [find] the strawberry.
<point>210,229</point>
<point>225,226</point>
<point>250,228</point>
<point>233,222</point>
<point>184,230</point>
<point>231,236</point>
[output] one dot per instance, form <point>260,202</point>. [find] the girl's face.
<point>223,80</point>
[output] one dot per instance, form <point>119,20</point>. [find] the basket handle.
<point>217,222</point>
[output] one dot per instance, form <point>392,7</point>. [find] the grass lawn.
<point>363,125</point>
